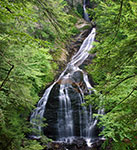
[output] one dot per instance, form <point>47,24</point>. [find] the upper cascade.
<point>86,17</point>
<point>76,3</point>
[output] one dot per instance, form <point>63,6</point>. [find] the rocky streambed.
<point>77,144</point>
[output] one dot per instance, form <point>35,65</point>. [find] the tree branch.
<point>9,10</point>
<point>127,96</point>
<point>12,66</point>
<point>135,88</point>
<point>128,77</point>
<point>4,81</point>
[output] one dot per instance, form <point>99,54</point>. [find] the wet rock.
<point>97,144</point>
<point>51,114</point>
<point>73,46</point>
<point>77,144</point>
<point>56,146</point>
<point>80,143</point>
<point>77,76</point>
<point>53,110</point>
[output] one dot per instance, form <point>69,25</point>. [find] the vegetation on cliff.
<point>30,33</point>
<point>114,71</point>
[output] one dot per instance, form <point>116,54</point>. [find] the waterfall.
<point>65,119</point>
<point>86,17</point>
<point>37,115</point>
<point>68,81</point>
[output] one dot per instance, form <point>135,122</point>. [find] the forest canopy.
<point>30,33</point>
<point>114,70</point>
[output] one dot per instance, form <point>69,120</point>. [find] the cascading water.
<point>65,118</point>
<point>86,17</point>
<point>68,119</point>
<point>65,113</point>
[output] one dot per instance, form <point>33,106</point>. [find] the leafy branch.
<point>128,77</point>
<point>135,88</point>
<point>12,66</point>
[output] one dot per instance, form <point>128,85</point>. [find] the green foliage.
<point>29,31</point>
<point>32,145</point>
<point>80,9</point>
<point>114,70</point>
<point>29,144</point>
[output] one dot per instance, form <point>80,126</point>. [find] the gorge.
<point>61,103</point>
<point>59,72</point>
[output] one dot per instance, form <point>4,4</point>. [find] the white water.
<point>65,120</point>
<point>37,115</point>
<point>86,17</point>
<point>77,59</point>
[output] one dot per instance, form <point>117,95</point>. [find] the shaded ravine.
<point>68,81</point>
<point>61,103</point>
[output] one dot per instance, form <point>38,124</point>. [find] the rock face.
<point>77,144</point>
<point>53,108</point>
<point>73,46</point>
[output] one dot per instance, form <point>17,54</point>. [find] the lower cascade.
<point>61,103</point>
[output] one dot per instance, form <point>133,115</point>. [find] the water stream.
<point>71,118</point>
<point>86,17</point>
